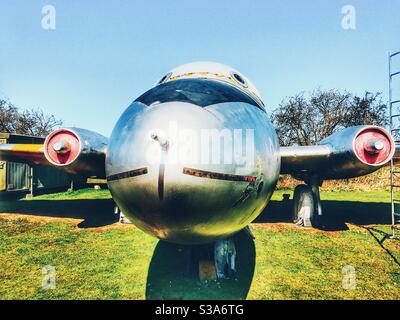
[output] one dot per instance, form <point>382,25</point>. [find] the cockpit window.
<point>201,92</point>
<point>165,78</point>
<point>239,79</point>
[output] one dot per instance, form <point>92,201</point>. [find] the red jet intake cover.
<point>67,156</point>
<point>368,135</point>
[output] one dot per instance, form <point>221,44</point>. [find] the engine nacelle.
<point>357,151</point>
<point>77,151</point>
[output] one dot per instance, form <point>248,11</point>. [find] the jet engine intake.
<point>359,150</point>
<point>77,151</point>
<point>348,153</point>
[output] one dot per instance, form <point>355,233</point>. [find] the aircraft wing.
<point>349,153</point>
<point>26,153</point>
<point>73,150</point>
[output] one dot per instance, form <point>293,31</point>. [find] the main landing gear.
<point>307,210</point>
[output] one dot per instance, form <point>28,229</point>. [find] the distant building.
<point>21,179</point>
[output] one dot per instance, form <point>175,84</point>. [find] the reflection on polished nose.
<point>168,126</point>
<point>160,185</point>
<point>150,142</point>
<point>164,143</point>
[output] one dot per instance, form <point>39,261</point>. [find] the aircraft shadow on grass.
<point>100,212</point>
<point>335,213</point>
<point>168,264</point>
<point>93,212</point>
<point>171,275</point>
<point>168,276</point>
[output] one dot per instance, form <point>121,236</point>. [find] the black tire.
<point>304,213</point>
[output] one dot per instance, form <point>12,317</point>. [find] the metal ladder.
<point>394,113</point>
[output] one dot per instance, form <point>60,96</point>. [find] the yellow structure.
<point>3,164</point>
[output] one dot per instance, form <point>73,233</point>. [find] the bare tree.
<point>8,116</point>
<point>369,109</point>
<point>302,120</point>
<point>36,123</point>
<point>30,122</point>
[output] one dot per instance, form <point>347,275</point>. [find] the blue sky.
<point>103,54</point>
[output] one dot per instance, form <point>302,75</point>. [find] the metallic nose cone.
<point>148,150</point>
<point>167,171</point>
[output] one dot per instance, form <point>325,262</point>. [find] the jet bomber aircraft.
<point>196,159</point>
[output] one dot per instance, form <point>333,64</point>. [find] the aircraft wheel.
<point>304,206</point>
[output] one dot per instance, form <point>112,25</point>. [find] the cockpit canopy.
<point>199,91</point>
<point>214,71</point>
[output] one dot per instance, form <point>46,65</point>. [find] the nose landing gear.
<point>216,260</point>
<point>225,258</point>
<point>212,261</point>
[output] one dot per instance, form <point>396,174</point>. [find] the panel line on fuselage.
<point>127,174</point>
<point>217,176</point>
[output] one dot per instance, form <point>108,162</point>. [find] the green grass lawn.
<point>97,258</point>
